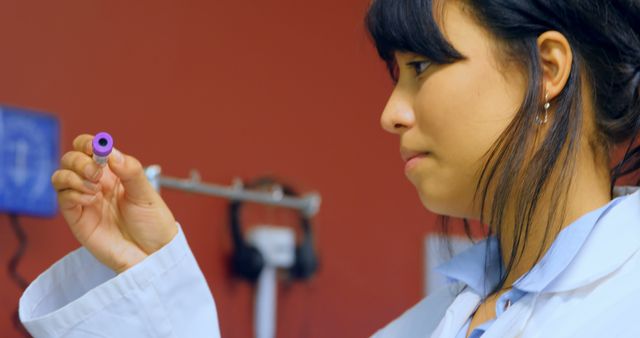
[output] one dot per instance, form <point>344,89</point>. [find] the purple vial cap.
<point>102,144</point>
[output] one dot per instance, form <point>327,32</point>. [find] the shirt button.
<point>507,304</point>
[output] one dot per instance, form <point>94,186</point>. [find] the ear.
<point>556,58</point>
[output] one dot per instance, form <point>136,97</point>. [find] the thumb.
<point>131,174</point>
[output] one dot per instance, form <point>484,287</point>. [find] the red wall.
<point>232,88</point>
<point>236,88</point>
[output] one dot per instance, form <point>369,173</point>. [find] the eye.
<point>419,66</point>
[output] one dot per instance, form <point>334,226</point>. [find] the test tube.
<point>102,146</point>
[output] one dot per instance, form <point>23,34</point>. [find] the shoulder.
<point>607,307</point>
<point>422,318</point>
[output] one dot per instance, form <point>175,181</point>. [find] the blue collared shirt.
<point>468,266</point>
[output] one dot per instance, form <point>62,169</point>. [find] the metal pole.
<point>309,204</point>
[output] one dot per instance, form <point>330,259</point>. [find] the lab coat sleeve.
<point>165,295</point>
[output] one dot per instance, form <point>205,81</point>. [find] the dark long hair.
<point>604,36</point>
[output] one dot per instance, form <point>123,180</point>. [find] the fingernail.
<point>91,173</point>
<point>117,156</point>
<point>90,186</point>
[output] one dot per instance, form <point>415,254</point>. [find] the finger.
<point>82,164</point>
<point>71,199</point>
<point>65,179</point>
<point>82,143</point>
<point>75,206</point>
<point>132,176</point>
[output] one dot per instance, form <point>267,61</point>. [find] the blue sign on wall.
<point>29,153</point>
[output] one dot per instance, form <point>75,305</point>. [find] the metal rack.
<point>309,204</point>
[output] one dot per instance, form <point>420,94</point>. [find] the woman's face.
<point>455,112</point>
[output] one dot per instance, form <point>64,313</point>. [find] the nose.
<point>398,115</point>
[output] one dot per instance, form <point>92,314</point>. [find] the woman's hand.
<point>113,211</point>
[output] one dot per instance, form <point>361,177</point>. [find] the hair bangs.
<point>408,26</point>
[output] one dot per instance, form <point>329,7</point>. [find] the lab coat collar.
<point>611,243</point>
<point>468,266</point>
<point>581,253</point>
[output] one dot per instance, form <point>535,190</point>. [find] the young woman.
<point>507,112</point>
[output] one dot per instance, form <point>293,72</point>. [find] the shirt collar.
<point>580,254</point>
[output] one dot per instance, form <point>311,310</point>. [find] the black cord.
<point>17,256</point>
<point>13,267</point>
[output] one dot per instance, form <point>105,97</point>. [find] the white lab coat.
<point>597,295</point>
<point>166,295</point>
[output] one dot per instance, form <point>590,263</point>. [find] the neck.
<point>589,190</point>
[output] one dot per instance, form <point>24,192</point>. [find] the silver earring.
<point>546,110</point>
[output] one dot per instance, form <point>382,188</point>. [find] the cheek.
<point>460,117</point>
<point>446,184</point>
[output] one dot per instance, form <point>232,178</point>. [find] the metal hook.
<point>195,176</point>
<point>277,193</point>
<point>237,183</point>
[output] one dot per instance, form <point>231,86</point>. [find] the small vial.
<point>102,147</point>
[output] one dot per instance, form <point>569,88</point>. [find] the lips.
<point>408,154</point>
<point>419,155</point>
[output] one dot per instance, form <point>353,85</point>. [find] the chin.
<point>442,205</point>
